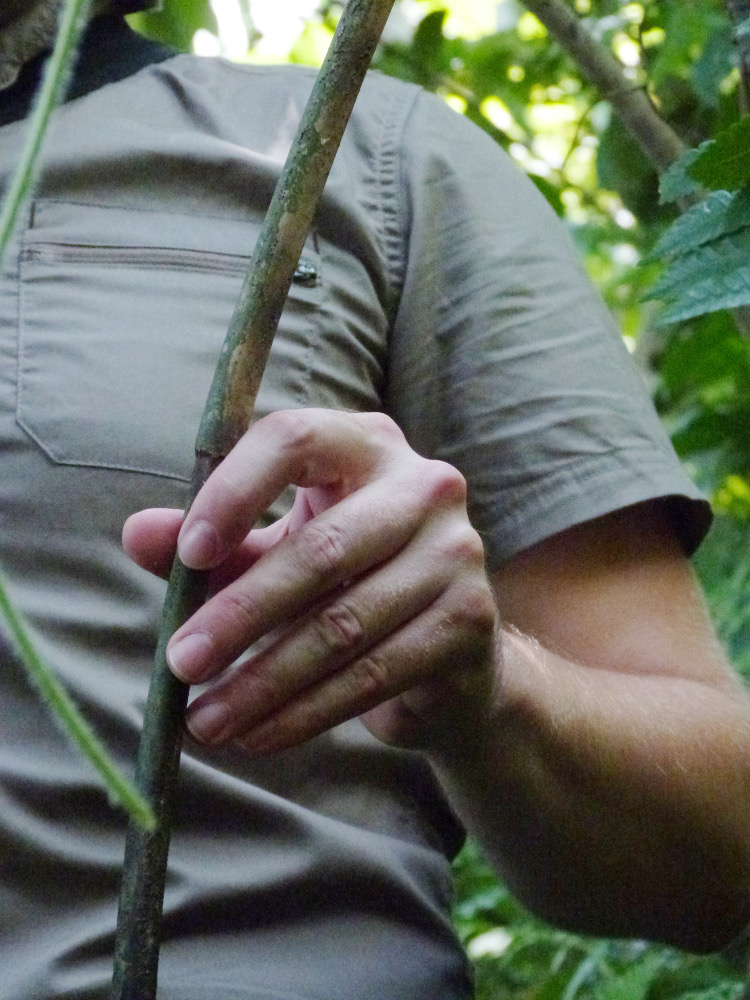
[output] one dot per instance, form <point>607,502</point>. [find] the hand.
<point>370,594</point>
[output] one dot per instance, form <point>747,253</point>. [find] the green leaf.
<point>714,66</point>
<point>686,974</point>
<point>706,430</point>
<point>175,22</point>
<point>687,27</point>
<point>589,966</point>
<point>705,353</point>
<point>69,718</point>
<point>635,982</point>
<point>722,991</point>
<point>727,291</point>
<point>725,162</point>
<point>675,183</point>
<point>428,38</point>
<point>706,221</point>
<point>551,987</point>
<point>716,261</point>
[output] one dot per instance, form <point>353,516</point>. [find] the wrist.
<point>491,724</point>
<point>469,713</point>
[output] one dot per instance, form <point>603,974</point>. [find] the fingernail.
<point>190,658</point>
<point>200,547</point>
<point>208,723</point>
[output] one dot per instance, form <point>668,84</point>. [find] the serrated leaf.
<point>726,291</point>
<point>716,260</point>
<point>675,183</point>
<point>701,223</point>
<point>725,162</point>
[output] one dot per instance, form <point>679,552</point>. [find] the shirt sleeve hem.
<point>586,490</point>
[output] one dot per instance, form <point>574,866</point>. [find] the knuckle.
<point>292,430</point>
<point>369,679</point>
<point>261,692</point>
<point>445,483</point>
<point>474,610</point>
<point>463,546</point>
<point>321,548</point>
<point>339,628</point>
<point>237,609</point>
<point>382,424</point>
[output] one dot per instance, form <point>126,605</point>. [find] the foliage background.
<point>495,62</point>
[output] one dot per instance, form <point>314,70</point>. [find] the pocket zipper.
<point>306,274</point>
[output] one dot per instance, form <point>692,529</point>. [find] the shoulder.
<point>275,81</point>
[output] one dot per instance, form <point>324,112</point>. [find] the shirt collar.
<point>110,51</point>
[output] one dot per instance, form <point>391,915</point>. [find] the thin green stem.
<point>70,719</point>
<point>227,414</point>
<point>57,73</point>
<point>72,22</point>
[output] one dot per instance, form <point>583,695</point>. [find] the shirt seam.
<point>388,170</point>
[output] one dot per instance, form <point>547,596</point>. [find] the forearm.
<point>615,796</point>
<point>614,803</point>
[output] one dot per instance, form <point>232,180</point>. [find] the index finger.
<point>308,448</point>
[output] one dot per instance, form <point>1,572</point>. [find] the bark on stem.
<point>226,417</point>
<point>657,140</point>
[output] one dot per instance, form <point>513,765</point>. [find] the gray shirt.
<point>440,287</point>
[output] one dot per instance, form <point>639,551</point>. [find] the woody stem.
<point>227,414</point>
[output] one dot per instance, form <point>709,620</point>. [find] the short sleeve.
<point>504,360</point>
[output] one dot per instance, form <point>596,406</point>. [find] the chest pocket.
<point>122,315</point>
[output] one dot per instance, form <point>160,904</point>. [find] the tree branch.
<point>655,137</point>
